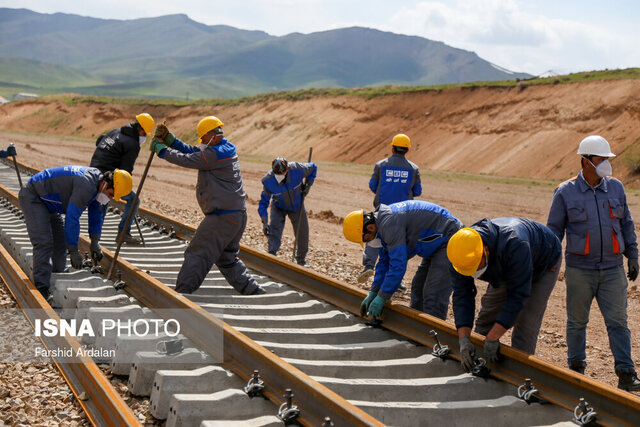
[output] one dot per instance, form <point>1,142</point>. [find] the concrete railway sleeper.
<point>336,366</point>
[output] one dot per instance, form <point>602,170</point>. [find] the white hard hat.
<point>595,145</point>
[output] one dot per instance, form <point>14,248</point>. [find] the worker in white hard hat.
<point>592,210</point>
<point>394,179</point>
<point>119,149</point>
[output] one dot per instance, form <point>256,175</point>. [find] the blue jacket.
<point>520,250</point>
<point>70,190</point>
<point>220,189</point>
<point>287,194</point>
<point>407,229</point>
<point>395,179</point>
<point>3,154</point>
<point>597,222</point>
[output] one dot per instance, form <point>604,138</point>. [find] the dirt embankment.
<point>521,131</point>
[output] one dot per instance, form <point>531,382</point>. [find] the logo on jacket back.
<point>396,175</point>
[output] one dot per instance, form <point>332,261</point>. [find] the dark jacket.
<point>117,149</point>
<point>395,179</point>
<point>287,194</point>
<point>520,250</point>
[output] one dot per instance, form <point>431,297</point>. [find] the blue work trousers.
<point>431,285</point>
<point>609,288</point>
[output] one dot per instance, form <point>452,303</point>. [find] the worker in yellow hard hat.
<point>520,259</point>
<point>119,149</point>
<point>394,179</point>
<point>221,196</point>
<point>68,191</point>
<point>399,232</point>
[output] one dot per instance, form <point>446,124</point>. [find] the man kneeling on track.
<point>520,259</point>
<point>221,197</point>
<point>66,190</point>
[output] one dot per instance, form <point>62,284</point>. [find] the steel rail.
<point>557,385</point>
<point>102,404</point>
<point>241,354</point>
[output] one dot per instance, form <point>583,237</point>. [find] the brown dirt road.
<point>484,152</point>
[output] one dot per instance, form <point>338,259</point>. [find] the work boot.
<point>130,240</point>
<point>365,274</point>
<point>578,366</point>
<point>302,263</point>
<point>402,288</point>
<point>628,380</point>
<point>257,291</point>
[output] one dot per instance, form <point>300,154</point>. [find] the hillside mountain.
<point>172,55</point>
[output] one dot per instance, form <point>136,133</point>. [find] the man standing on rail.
<point>221,197</point>
<point>401,231</point>
<point>118,149</point>
<point>394,179</point>
<point>521,260</point>
<point>285,184</point>
<point>67,190</point>
<point>592,209</point>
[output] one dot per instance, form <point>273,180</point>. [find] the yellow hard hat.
<point>122,184</point>
<point>352,227</point>
<point>146,121</point>
<point>465,250</point>
<point>207,125</point>
<point>401,140</point>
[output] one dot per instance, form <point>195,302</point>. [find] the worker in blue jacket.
<point>402,231</point>
<point>220,194</point>
<point>520,259</point>
<point>283,187</point>
<point>67,190</point>
<point>9,152</point>
<point>592,210</point>
<point>394,179</point>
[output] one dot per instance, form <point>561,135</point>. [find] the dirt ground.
<point>482,153</point>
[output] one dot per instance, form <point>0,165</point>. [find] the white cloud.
<point>503,33</point>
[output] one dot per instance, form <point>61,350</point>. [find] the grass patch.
<point>366,92</point>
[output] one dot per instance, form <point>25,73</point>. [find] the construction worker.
<point>67,190</point>
<point>286,184</point>
<point>592,209</point>
<point>394,179</point>
<point>520,259</point>
<point>401,231</point>
<point>118,149</point>
<point>221,197</point>
<point>9,152</point>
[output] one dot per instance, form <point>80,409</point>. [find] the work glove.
<point>11,151</point>
<point>304,188</point>
<point>76,259</point>
<point>96,250</point>
<point>467,353</point>
<point>376,306</point>
<point>364,305</point>
<point>161,132</point>
<point>266,229</point>
<point>491,350</point>
<point>158,146</point>
<point>633,268</point>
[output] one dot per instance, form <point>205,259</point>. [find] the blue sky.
<point>530,36</point>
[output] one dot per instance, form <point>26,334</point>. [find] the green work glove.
<point>467,353</point>
<point>76,259</point>
<point>632,263</point>
<point>161,132</point>
<point>11,152</point>
<point>364,305</point>
<point>157,146</point>
<point>96,250</point>
<point>491,350</point>
<point>376,306</point>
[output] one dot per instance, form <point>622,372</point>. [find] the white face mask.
<point>604,169</point>
<point>481,271</point>
<point>375,243</point>
<point>279,177</point>
<point>142,139</point>
<point>102,198</point>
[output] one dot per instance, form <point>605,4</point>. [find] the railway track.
<point>302,335</point>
